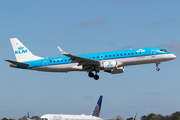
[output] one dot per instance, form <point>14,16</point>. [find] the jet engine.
<point>113,67</point>
<point>109,65</point>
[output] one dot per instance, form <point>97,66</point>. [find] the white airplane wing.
<point>80,60</point>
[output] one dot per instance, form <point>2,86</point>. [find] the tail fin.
<point>134,118</point>
<point>21,52</point>
<point>28,115</point>
<point>97,108</point>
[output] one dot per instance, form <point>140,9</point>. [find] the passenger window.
<point>113,55</point>
<point>121,54</point>
<point>93,57</point>
<point>109,55</point>
<point>101,56</point>
<point>97,56</point>
<point>128,53</point>
<point>139,52</point>
<point>50,61</point>
<point>64,60</point>
<point>106,55</point>
<point>57,60</point>
<point>117,55</point>
<point>61,60</point>
<point>132,53</point>
<point>125,54</point>
<point>69,59</point>
<point>136,52</point>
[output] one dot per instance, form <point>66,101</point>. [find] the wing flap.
<point>17,63</point>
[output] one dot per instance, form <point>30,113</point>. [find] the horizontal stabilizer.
<point>17,63</point>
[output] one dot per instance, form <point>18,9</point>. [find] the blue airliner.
<point>111,62</point>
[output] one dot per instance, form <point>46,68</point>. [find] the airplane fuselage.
<point>125,57</point>
<point>111,62</point>
<point>68,117</point>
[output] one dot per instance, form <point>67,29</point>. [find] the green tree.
<point>148,117</point>
<point>23,118</point>
<point>4,119</point>
<point>129,118</point>
<point>11,119</point>
<point>167,117</point>
<point>35,117</point>
<point>156,117</point>
<point>119,117</point>
<point>175,116</point>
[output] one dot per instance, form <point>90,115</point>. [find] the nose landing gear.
<point>91,75</point>
<point>157,68</point>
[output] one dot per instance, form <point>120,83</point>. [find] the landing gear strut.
<point>157,68</point>
<point>91,75</point>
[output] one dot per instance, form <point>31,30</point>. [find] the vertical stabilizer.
<point>21,52</point>
<point>28,115</point>
<point>97,108</point>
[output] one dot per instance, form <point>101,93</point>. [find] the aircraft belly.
<point>144,59</point>
<point>157,58</point>
<point>60,68</point>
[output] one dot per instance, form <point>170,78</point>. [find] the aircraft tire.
<point>96,77</point>
<point>91,74</point>
<point>158,69</point>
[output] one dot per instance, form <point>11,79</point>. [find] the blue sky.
<point>87,27</point>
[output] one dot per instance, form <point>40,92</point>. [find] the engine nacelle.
<point>109,65</point>
<point>117,70</point>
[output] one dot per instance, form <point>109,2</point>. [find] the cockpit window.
<point>162,50</point>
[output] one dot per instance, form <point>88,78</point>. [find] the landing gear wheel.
<point>91,74</point>
<point>96,77</point>
<point>158,69</point>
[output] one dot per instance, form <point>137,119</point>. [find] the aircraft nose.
<point>172,56</point>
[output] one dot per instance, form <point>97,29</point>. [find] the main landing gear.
<point>91,75</point>
<point>157,68</point>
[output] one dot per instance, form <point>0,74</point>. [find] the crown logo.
<point>20,48</point>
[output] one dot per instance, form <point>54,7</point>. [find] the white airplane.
<point>111,62</point>
<point>94,116</point>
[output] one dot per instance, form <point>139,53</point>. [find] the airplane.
<point>94,116</point>
<point>111,62</point>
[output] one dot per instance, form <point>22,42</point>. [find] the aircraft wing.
<point>80,60</point>
<point>17,63</point>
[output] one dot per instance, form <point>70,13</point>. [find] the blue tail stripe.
<point>28,115</point>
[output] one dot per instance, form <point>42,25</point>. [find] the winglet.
<point>64,53</point>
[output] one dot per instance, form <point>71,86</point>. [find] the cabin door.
<point>153,53</point>
<point>45,63</point>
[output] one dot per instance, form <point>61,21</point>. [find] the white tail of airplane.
<point>22,54</point>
